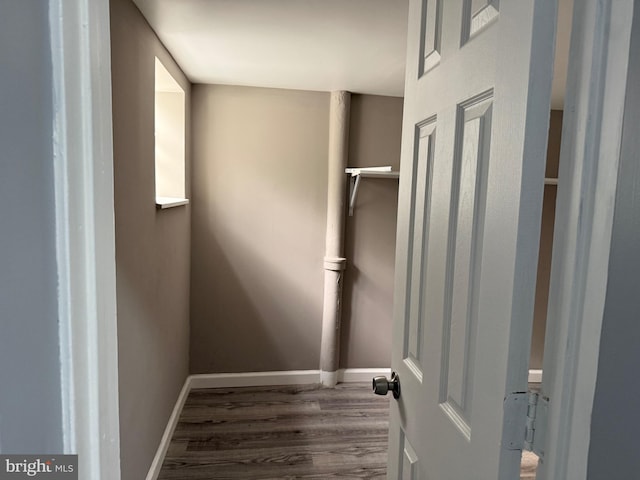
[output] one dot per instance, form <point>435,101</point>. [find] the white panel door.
<point>477,103</point>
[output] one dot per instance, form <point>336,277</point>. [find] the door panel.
<point>478,14</point>
<point>471,156</point>
<point>431,30</point>
<point>423,165</point>
<point>409,462</point>
<point>472,175</point>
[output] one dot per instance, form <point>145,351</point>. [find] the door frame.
<point>587,186</point>
<point>85,234</point>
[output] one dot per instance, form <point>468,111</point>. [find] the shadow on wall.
<point>368,289</point>
<point>257,310</point>
<point>249,324</point>
<point>259,213</point>
<point>370,234</point>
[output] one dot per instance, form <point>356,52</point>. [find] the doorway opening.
<point>536,360</point>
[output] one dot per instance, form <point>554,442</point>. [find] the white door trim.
<point>589,158</point>
<point>85,236</point>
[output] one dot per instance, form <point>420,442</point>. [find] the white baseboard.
<point>156,465</point>
<point>255,379</point>
<point>535,376</point>
<point>250,379</point>
<point>290,377</point>
<point>348,375</point>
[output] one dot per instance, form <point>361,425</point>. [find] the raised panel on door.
<point>409,470</point>
<point>418,238</point>
<point>478,15</point>
<point>430,38</point>
<point>471,157</point>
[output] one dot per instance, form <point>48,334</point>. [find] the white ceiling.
<point>355,45</point>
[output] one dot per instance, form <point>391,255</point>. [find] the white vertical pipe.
<point>334,262</point>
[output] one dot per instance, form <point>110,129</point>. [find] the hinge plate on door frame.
<point>531,409</point>
<point>536,428</point>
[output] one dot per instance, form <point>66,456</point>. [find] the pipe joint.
<point>335,264</point>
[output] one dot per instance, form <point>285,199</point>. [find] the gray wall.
<point>152,249</point>
<point>259,220</point>
<point>259,215</point>
<point>30,408</point>
<point>613,451</point>
<point>370,235</point>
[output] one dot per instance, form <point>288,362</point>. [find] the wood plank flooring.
<point>280,433</point>
<point>287,432</point>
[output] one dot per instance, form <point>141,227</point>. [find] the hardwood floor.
<point>283,432</point>
<point>280,433</point>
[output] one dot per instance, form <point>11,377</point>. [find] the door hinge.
<point>533,408</point>
<point>536,426</point>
